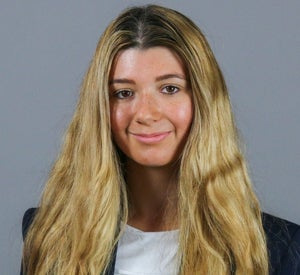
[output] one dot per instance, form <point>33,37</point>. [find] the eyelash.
<point>172,87</point>
<point>119,94</point>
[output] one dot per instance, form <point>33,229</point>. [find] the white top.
<point>147,253</point>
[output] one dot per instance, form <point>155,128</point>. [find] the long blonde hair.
<point>77,226</point>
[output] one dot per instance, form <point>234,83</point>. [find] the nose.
<point>148,109</point>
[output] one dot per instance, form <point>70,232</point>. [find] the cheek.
<point>118,120</point>
<point>114,120</point>
<point>183,115</point>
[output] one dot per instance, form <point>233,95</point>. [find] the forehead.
<point>154,59</point>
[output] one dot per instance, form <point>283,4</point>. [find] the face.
<point>150,105</point>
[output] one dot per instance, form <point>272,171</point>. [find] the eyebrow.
<point>121,80</point>
<point>167,76</point>
<point>159,78</point>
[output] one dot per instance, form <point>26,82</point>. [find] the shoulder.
<point>27,220</point>
<point>283,241</point>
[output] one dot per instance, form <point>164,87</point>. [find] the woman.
<point>151,178</point>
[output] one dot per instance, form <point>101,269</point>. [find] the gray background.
<point>46,47</point>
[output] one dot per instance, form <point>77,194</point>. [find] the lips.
<point>151,138</point>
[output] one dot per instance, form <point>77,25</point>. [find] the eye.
<point>123,94</point>
<point>170,89</point>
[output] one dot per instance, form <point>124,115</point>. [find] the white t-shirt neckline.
<point>147,253</point>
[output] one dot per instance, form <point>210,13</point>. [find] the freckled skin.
<point>151,105</point>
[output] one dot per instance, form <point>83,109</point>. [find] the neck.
<point>152,193</point>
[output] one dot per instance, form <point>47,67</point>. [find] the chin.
<point>155,163</point>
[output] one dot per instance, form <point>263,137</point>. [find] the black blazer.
<point>283,241</point>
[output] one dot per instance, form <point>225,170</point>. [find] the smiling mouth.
<point>151,138</point>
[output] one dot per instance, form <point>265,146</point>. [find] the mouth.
<point>151,138</point>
